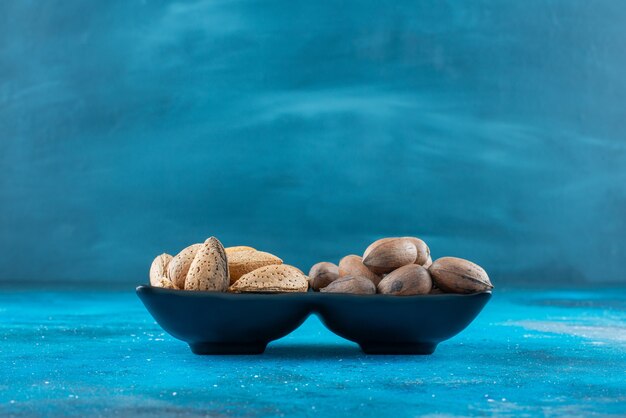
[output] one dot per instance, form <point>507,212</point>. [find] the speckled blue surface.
<point>100,353</point>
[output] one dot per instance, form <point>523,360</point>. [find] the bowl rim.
<point>144,288</point>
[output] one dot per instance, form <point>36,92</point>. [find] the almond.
<point>407,280</point>
<point>357,285</point>
<point>158,269</point>
<point>423,252</point>
<point>456,275</point>
<point>352,265</point>
<point>243,262</point>
<point>322,274</point>
<point>387,254</point>
<point>230,250</point>
<point>178,267</point>
<point>209,268</point>
<point>163,282</point>
<point>271,279</point>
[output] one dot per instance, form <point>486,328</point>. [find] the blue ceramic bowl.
<point>226,323</point>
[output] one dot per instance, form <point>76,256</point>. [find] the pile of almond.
<point>399,266</point>
<point>390,266</point>
<point>211,267</point>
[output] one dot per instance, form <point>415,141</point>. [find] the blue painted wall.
<point>494,130</point>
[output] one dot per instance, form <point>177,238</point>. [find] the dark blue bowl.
<point>225,323</point>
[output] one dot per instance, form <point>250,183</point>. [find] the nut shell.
<point>243,262</point>
<point>158,269</point>
<point>209,268</point>
<point>428,263</point>
<point>235,249</point>
<point>356,285</point>
<point>352,265</point>
<point>322,274</point>
<point>456,275</point>
<point>423,252</point>
<point>163,282</point>
<point>274,278</point>
<point>407,280</point>
<point>388,254</point>
<point>178,267</point>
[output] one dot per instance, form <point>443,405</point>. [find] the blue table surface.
<point>99,353</point>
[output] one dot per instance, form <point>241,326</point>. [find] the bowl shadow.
<point>304,351</point>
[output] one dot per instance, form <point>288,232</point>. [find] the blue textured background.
<point>494,130</point>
